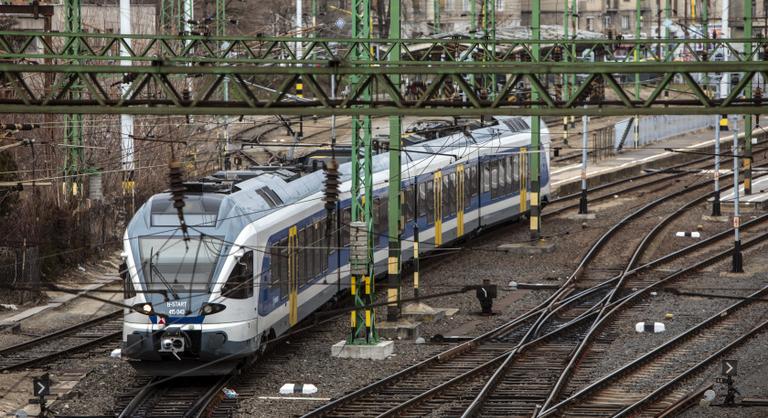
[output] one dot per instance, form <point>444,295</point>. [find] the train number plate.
<point>177,307</point>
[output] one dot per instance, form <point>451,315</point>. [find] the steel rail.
<point>577,322</point>
<point>498,374</point>
<point>59,333</point>
<point>587,338</point>
<point>647,357</point>
<point>473,409</point>
<point>542,307</point>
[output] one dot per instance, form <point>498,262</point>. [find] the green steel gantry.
<point>393,187</point>
<point>160,62</point>
<point>362,319</point>
<point>73,123</point>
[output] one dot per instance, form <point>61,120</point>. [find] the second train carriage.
<point>257,261</point>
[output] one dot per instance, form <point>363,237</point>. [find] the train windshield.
<point>173,265</point>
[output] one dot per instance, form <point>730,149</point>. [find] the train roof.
<point>247,195</point>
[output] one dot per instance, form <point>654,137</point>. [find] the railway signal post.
<point>736,266</point>
<point>583,210</point>
<point>748,95</point>
<point>716,197</point>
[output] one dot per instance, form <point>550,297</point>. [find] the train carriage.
<point>257,259</point>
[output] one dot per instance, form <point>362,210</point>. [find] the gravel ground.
<point>626,344</point>
<point>751,381</point>
<point>311,363</point>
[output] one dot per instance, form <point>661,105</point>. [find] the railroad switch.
<point>486,293</point>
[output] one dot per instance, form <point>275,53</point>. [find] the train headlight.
<point>211,308</point>
<point>143,308</point>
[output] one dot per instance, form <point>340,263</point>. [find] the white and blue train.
<point>257,261</point>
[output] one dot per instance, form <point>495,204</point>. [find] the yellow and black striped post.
<point>723,123</point>
<point>565,130</point>
<point>416,261</point>
<point>368,309</point>
<point>300,95</point>
<point>353,314</point>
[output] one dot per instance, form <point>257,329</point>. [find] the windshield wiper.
<point>153,269</point>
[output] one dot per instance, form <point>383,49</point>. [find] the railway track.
<point>637,383</point>
<point>471,363</point>
<point>416,396</point>
<point>177,397</point>
<point>63,342</point>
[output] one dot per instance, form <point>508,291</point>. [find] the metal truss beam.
<point>366,77</point>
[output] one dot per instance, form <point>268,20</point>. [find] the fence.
<point>656,128</point>
<point>19,268</point>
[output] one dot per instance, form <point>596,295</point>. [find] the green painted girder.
<point>371,89</point>
<point>274,50</point>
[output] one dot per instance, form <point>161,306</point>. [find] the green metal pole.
<point>638,22</point>
<point>566,57</point>
<point>535,130</point>
<point>748,93</point>
<point>73,124</point>
<point>393,190</point>
<point>575,23</point>
<point>364,331</point>
<point>436,10</point>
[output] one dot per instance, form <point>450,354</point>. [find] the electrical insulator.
<point>557,54</point>
<point>176,177</point>
<point>331,185</point>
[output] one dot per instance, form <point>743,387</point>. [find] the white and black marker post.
<point>583,210</point>
<point>716,195</point>
<point>736,266</point>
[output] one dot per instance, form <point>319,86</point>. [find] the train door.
<point>293,277</point>
<point>523,180</point>
<point>438,202</point>
<point>459,200</point>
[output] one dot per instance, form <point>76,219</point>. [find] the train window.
<point>321,247</point>
<point>346,219</point>
<point>282,279</point>
<point>429,204</point>
<point>406,204</point>
<point>467,186</point>
<point>274,265</point>
<point>516,170</point>
<point>494,178</point>
<point>376,215</point>
<point>239,285</point>
<point>453,192</point>
<point>486,174</point>
<point>502,177</point>
<point>422,203</point>
<point>310,251</point>
<point>474,185</point>
<point>508,171</point>
<point>301,255</point>
<point>446,198</point>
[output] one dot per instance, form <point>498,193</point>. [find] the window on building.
<point>500,5</point>
<point>606,22</point>
<point>624,22</point>
<point>590,23</point>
